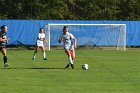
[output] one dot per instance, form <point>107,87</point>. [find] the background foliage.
<point>70,9</point>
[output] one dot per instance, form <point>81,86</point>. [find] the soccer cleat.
<point>6,65</point>
<point>45,58</point>
<point>33,58</point>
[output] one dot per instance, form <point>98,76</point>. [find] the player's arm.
<point>45,40</point>
<point>60,39</point>
<point>38,38</point>
<point>73,40</point>
<point>75,44</point>
<point>5,39</point>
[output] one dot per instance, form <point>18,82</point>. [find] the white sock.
<point>70,60</point>
<point>44,54</point>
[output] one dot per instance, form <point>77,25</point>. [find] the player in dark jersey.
<point>3,42</point>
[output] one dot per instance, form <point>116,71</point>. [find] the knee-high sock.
<point>70,60</point>
<point>5,59</point>
<point>34,54</point>
<point>44,54</point>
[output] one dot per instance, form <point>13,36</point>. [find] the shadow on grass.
<point>30,68</point>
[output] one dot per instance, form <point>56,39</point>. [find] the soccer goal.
<point>111,36</point>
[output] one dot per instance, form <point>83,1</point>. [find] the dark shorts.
<point>2,48</point>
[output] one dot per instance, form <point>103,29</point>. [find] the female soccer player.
<point>40,43</point>
<point>69,45</point>
<point>3,42</point>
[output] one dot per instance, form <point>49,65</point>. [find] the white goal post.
<point>112,35</point>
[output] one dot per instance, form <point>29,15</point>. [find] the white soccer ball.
<point>85,66</point>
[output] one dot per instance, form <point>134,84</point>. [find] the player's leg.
<point>67,52</point>
<point>72,54</point>
<point>43,51</point>
<point>69,58</point>
<point>35,52</point>
<point>3,51</point>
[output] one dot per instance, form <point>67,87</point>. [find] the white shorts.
<point>69,46</point>
<point>40,43</point>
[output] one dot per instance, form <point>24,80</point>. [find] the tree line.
<point>70,9</point>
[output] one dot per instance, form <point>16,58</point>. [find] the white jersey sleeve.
<point>71,35</point>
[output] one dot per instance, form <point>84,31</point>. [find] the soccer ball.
<point>85,66</point>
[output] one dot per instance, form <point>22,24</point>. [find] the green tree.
<point>70,9</point>
<point>130,10</point>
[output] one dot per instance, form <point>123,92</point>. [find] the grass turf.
<point>109,72</point>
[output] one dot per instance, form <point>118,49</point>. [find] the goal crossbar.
<point>89,24</point>
<point>56,24</point>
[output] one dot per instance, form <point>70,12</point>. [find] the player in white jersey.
<point>69,45</point>
<point>40,43</point>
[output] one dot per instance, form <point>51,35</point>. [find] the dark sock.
<point>67,66</point>
<point>5,59</point>
<point>72,66</point>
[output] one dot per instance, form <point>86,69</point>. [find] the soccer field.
<point>109,72</point>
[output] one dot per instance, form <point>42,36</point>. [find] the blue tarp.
<point>25,31</point>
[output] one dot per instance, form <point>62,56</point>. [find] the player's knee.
<point>43,50</point>
<point>73,56</point>
<point>69,54</point>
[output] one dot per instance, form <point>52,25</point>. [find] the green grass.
<point>109,72</point>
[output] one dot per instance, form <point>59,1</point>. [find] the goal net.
<point>110,36</point>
